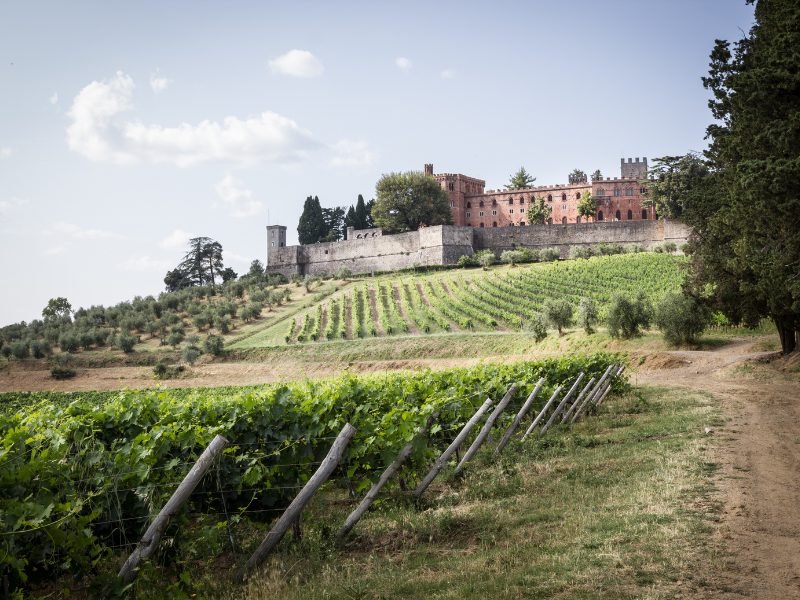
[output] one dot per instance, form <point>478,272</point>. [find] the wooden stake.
<point>292,513</point>
<point>595,393</point>
<point>390,472</point>
<point>577,400</point>
<point>561,405</point>
<point>487,427</point>
<point>542,412</point>
<point>520,415</point>
<point>443,458</point>
<point>611,383</point>
<point>149,542</point>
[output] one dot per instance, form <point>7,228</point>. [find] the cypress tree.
<point>311,228</point>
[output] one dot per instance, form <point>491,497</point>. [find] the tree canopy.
<point>57,309</point>
<point>405,201</point>
<point>672,179</point>
<point>201,265</point>
<point>587,205</point>
<point>577,176</point>
<point>746,244</point>
<point>311,228</point>
<point>520,180</point>
<point>539,211</point>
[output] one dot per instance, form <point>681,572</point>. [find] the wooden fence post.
<point>443,458</point>
<point>577,400</point>
<point>487,427</point>
<point>390,472</point>
<point>595,393</point>
<point>542,412</point>
<point>520,415</point>
<point>294,510</point>
<point>611,383</point>
<point>561,405</point>
<point>149,542</point>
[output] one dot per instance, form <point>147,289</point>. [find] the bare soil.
<point>757,451</point>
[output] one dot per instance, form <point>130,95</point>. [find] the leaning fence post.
<point>294,510</point>
<point>443,458</point>
<point>577,402</point>
<point>390,472</point>
<point>542,412</point>
<point>610,384</point>
<point>487,427</point>
<point>149,542</point>
<point>593,394</point>
<point>518,419</point>
<point>561,405</point>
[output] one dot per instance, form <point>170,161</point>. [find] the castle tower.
<point>276,238</point>
<point>633,169</point>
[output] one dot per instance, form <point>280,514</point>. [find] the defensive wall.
<point>367,251</point>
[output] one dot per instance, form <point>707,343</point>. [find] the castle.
<point>489,219</point>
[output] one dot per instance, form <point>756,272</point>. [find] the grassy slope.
<point>607,510</point>
<point>598,277</point>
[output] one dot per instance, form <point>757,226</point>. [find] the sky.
<point>128,127</point>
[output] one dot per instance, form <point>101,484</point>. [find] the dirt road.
<point>758,453</point>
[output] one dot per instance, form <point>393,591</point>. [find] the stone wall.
<point>444,244</point>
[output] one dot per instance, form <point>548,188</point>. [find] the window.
<point>522,223</point>
<point>452,187</point>
<point>494,201</point>
<point>469,204</point>
<point>550,221</point>
<point>630,215</point>
<point>469,213</point>
<point>511,211</point>
<point>616,192</point>
<point>617,216</point>
<point>642,190</point>
<point>511,201</point>
<point>563,220</point>
<point>272,244</point>
<point>494,223</point>
<point>469,224</point>
<point>480,203</point>
<point>564,197</point>
<point>549,197</point>
<point>494,213</point>
<point>600,215</point>
<point>563,207</point>
<point>480,214</point>
<point>481,224</point>
<point>577,219</point>
<point>601,192</point>
<point>452,204</point>
<point>577,195</point>
<point>644,214</point>
<point>629,191</point>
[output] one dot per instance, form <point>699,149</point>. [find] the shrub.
<point>191,354</point>
<point>587,314</point>
<point>5,351</point>
<point>343,273</point>
<point>465,260</point>
<point>670,247</point>
<point>175,338</point>
<point>581,252</point>
<point>658,248</point>
<point>214,345</point>
<point>125,342</point>
<point>681,319</point>
<point>607,249</point>
<point>549,254</point>
<point>276,279</point>
<point>163,370</point>
<point>20,350</point>
<point>86,339</point>
<point>40,349</point>
<point>485,258</point>
<point>529,255</point>
<point>558,312</point>
<point>537,325</point>
<point>685,249</point>
<point>512,257</point>
<point>69,342</point>
<point>60,367</point>
<point>626,316</point>
<point>222,324</point>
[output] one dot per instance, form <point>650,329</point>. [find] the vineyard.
<point>82,475</point>
<point>471,300</point>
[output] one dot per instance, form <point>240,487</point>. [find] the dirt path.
<point>758,453</point>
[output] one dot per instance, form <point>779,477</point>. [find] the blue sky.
<point>125,128</point>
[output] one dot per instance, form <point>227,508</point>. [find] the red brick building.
<point>618,198</point>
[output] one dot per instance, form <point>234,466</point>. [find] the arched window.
<point>601,192</point>
<point>469,224</point>
<point>549,197</point>
<point>600,215</point>
<point>481,224</point>
<point>616,191</point>
<point>550,221</point>
<point>494,223</point>
<point>522,223</point>
<point>511,200</point>
<point>577,195</point>
<point>494,201</point>
<point>469,204</point>
<point>480,203</point>
<point>644,214</point>
<point>617,216</point>
<point>564,197</point>
<point>563,220</point>
<point>630,215</point>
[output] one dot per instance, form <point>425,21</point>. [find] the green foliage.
<point>201,265</point>
<point>587,314</point>
<point>343,273</point>
<point>69,342</point>
<point>406,201</point>
<point>581,252</point>
<point>214,345</point>
<point>577,176</point>
<point>587,205</point>
<point>60,367</point>
<point>57,310</point>
<point>311,228</point>
<point>539,212</point>
<point>191,353</point>
<point>681,318</point>
<point>537,325</point>
<point>549,254</point>
<point>521,180</point>
<point>485,258</point>
<point>20,349</point>
<point>512,257</point>
<point>125,342</point>
<point>467,260</point>
<point>626,316</point>
<point>81,472</point>
<point>559,312</point>
<point>673,182</point>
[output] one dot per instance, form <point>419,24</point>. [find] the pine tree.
<point>311,228</point>
<point>520,180</point>
<point>362,216</point>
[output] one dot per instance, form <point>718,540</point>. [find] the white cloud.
<point>157,83</point>
<point>54,98</point>
<point>403,63</point>
<point>6,206</point>
<point>297,63</point>
<point>238,198</point>
<point>5,151</point>
<point>144,263</point>
<point>77,232</point>
<point>177,239</point>
<point>98,133</point>
<point>351,153</point>
<point>448,73</point>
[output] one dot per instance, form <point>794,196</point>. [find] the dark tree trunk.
<point>788,336</point>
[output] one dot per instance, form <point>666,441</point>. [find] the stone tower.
<point>633,169</point>
<point>276,238</point>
